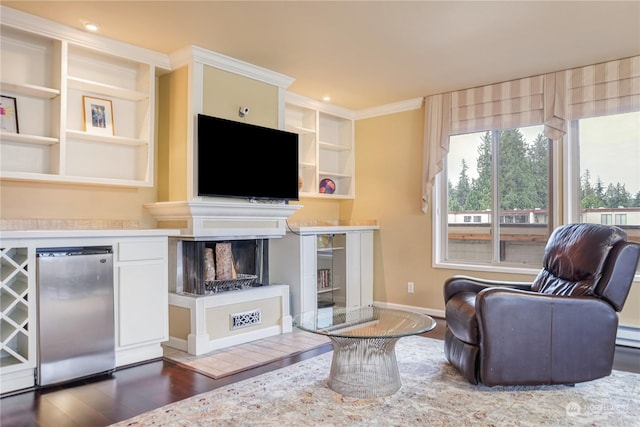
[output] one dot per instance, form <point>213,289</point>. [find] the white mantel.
<point>213,220</point>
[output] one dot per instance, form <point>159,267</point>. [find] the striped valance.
<point>602,89</point>
<point>608,88</point>
<point>498,106</point>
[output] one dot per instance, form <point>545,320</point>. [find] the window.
<point>621,219</point>
<point>604,152</point>
<point>506,174</point>
<point>486,156</point>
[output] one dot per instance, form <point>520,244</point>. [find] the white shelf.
<point>333,147</point>
<point>86,136</point>
<point>327,290</point>
<point>105,89</point>
<point>49,74</point>
<point>300,130</point>
<point>34,91</point>
<point>326,140</point>
<point>28,139</point>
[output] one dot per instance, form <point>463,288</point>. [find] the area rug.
<point>432,394</point>
<point>228,361</point>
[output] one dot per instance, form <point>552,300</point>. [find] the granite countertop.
<point>324,226</point>
<point>46,234</point>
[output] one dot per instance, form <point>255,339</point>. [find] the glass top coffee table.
<point>364,361</point>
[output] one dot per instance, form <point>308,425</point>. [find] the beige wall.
<point>173,95</point>
<point>224,93</point>
<point>29,200</point>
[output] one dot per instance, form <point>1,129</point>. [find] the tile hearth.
<point>244,356</point>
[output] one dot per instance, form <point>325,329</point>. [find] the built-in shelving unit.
<point>48,75</point>
<point>324,266</point>
<point>326,145</point>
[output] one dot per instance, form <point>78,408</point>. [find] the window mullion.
<point>495,199</point>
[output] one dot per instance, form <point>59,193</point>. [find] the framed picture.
<point>8,114</point>
<point>98,115</point>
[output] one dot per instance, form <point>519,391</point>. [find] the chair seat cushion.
<point>461,319</point>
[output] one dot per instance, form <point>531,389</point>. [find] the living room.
<point>402,246</point>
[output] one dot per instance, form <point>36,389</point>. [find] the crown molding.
<point>303,101</point>
<point>188,54</point>
<point>383,110</point>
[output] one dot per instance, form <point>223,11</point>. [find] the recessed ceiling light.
<point>326,98</point>
<point>91,26</point>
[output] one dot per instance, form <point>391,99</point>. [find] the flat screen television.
<point>237,159</point>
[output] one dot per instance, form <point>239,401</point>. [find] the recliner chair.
<point>559,329</point>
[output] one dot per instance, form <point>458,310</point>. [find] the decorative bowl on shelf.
<point>327,186</point>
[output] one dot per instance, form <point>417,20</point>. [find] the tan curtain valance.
<point>498,106</point>
<point>608,88</point>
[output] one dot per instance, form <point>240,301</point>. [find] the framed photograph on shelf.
<point>8,114</point>
<point>98,115</point>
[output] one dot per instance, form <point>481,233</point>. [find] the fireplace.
<point>202,318</point>
<point>201,265</point>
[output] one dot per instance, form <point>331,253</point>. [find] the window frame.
<point>440,216</point>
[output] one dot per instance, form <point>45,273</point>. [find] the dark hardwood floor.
<point>133,390</point>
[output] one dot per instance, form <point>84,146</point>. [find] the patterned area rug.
<point>432,393</point>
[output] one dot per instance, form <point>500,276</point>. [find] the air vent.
<point>248,318</point>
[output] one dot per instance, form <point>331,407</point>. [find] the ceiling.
<point>367,54</point>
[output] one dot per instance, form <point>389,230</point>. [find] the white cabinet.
<point>324,266</point>
<point>141,295</point>
<point>326,145</point>
<point>49,76</point>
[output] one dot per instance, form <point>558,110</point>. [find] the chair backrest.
<point>588,260</point>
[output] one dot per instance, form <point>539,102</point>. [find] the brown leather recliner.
<point>560,329</point>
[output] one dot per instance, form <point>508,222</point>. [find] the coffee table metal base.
<point>364,367</point>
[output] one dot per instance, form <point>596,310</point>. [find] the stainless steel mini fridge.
<point>76,335</point>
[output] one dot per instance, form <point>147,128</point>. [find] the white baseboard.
<point>138,354</point>
<point>628,336</point>
<point>423,310</point>
<point>18,380</point>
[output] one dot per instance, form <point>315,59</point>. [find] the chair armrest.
<point>457,284</point>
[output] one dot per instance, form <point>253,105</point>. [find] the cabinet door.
<point>366,268</point>
<point>308,297</point>
<point>142,303</point>
<point>353,270</point>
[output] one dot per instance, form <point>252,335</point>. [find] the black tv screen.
<point>238,159</point>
